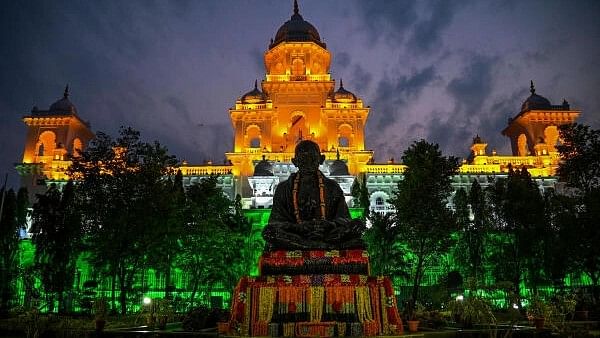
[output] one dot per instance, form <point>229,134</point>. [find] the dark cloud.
<point>387,20</point>
<point>393,94</point>
<point>471,90</point>
<point>341,61</point>
<point>426,34</point>
<point>361,79</point>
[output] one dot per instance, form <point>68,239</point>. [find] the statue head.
<point>307,157</point>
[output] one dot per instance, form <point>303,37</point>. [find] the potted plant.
<point>414,313</point>
<point>467,311</point>
<point>100,312</point>
<point>538,310</point>
<point>163,310</point>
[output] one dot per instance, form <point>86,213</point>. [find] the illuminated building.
<point>52,135</point>
<point>298,99</point>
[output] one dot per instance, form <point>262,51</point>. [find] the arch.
<point>46,143</point>
<point>522,145</point>
<point>254,135</point>
<point>298,126</point>
<point>345,133</point>
<point>378,200</point>
<point>551,135</point>
<point>77,146</point>
<point>298,67</point>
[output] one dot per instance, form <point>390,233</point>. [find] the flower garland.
<point>267,302</point>
<point>321,196</point>
<point>317,298</point>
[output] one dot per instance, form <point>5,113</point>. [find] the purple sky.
<point>439,70</point>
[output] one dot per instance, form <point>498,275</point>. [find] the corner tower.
<point>52,136</point>
<point>534,131</point>
<point>297,100</point>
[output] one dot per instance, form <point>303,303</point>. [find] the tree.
<point>424,220</point>
<point>519,222</point>
<point>210,248</point>
<point>12,220</point>
<point>580,169</point>
<point>121,182</point>
<point>386,252</point>
<point>471,217</point>
<point>57,235</point>
<point>360,194</point>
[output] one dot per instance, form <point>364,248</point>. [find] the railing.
<point>306,77</point>
<point>206,170</point>
<point>385,168</point>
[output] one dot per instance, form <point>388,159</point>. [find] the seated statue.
<point>309,210</point>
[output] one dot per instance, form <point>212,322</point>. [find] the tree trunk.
<point>113,287</point>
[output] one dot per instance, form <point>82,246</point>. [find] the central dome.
<point>297,30</point>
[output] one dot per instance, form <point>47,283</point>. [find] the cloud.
<point>473,87</point>
<point>361,79</point>
<point>426,33</point>
<point>341,60</point>
<point>393,94</point>
<point>387,20</point>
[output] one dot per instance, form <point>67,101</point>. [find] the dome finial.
<point>66,94</point>
<point>296,10</point>
<point>255,83</point>
<point>337,154</point>
<point>532,88</point>
<point>341,83</point>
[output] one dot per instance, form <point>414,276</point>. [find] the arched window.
<point>379,201</point>
<point>344,135</point>
<point>522,144</point>
<point>255,142</point>
<point>77,146</point>
<point>298,67</point>
<point>343,141</point>
<point>253,134</point>
<point>47,143</point>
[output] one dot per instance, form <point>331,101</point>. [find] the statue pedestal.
<point>314,293</point>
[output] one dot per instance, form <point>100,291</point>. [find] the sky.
<point>441,70</point>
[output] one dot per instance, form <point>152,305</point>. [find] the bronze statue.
<point>309,210</point>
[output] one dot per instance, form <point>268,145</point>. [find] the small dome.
<point>254,96</point>
<point>343,96</point>
<point>478,140</point>
<point>338,167</point>
<point>535,101</point>
<point>297,30</point>
<point>263,168</point>
<point>64,105</point>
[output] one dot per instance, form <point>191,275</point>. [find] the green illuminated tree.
<point>360,193</point>
<point>519,222</point>
<point>424,221</point>
<point>12,220</point>
<point>386,252</point>
<point>121,182</point>
<point>211,248</point>
<point>57,234</point>
<point>470,249</point>
<point>580,169</point>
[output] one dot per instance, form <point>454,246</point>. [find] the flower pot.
<point>100,323</point>
<point>581,315</point>
<point>539,323</point>
<point>413,325</point>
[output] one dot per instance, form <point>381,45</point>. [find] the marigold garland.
<point>321,197</point>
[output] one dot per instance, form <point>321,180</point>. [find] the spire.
<point>66,94</point>
<point>296,10</point>
<point>337,154</point>
<point>532,88</point>
<point>255,84</point>
<point>341,83</point>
